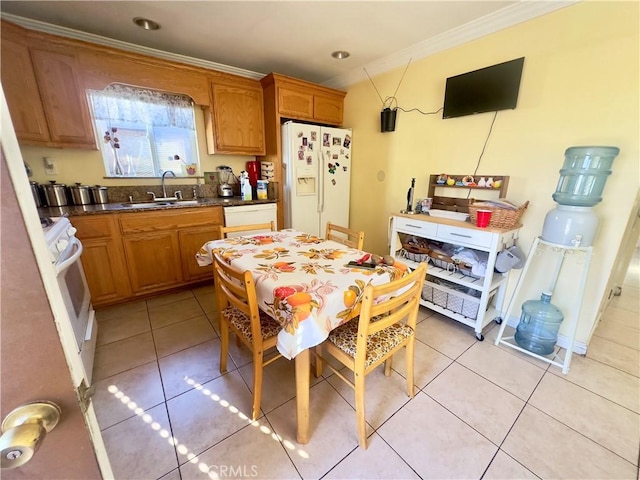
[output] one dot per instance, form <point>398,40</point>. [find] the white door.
<point>336,177</point>
<point>301,143</point>
<point>26,203</point>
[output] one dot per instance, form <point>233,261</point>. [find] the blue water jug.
<point>583,175</point>
<point>539,323</point>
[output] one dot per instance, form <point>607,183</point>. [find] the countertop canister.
<point>56,194</point>
<point>100,194</point>
<point>80,194</point>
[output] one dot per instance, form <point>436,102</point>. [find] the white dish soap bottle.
<point>245,186</point>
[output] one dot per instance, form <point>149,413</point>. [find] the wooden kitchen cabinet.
<point>44,92</point>
<point>191,239</point>
<point>22,94</point>
<point>131,255</point>
<point>103,258</point>
<point>287,98</point>
<point>235,120</point>
<point>160,246</point>
<point>299,100</point>
<point>154,261</point>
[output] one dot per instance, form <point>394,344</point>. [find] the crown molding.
<point>130,47</point>
<point>519,12</point>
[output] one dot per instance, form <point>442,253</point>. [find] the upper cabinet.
<point>300,100</point>
<point>44,92</point>
<point>287,98</point>
<point>235,120</point>
<point>45,78</point>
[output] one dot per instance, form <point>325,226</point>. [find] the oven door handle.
<point>62,266</point>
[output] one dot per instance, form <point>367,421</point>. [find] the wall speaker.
<point>388,120</point>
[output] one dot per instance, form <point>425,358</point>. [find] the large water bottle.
<point>539,325</point>
<point>584,174</point>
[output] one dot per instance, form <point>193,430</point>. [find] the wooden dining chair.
<point>239,312</point>
<point>259,227</point>
<point>346,236</point>
<point>386,324</point>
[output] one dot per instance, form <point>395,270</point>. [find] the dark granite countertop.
<point>124,207</point>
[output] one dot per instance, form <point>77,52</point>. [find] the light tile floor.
<point>480,411</point>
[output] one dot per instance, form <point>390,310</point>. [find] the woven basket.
<point>443,261</point>
<point>500,217</point>
<point>416,257</point>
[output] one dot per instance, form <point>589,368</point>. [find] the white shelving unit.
<point>539,249</point>
<point>490,240</point>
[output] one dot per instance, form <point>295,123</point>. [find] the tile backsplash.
<point>139,192</point>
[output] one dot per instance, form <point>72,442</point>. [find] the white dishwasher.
<point>250,214</point>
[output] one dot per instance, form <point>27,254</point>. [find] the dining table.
<point>310,285</point>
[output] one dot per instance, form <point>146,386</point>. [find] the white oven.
<point>65,250</point>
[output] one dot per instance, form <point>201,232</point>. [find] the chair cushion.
<point>270,327</point>
<point>380,343</point>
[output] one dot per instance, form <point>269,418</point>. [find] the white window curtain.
<point>137,105</point>
<point>144,130</point>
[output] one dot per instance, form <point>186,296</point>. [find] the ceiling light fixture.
<point>340,54</point>
<point>146,23</point>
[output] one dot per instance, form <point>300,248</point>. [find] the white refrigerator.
<point>317,173</point>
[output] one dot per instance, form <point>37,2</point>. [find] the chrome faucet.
<point>164,189</point>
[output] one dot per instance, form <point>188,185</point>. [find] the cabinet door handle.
<point>453,234</point>
<point>419,227</point>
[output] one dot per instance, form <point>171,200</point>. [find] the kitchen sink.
<point>176,203</point>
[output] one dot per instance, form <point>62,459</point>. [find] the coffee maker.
<point>225,178</point>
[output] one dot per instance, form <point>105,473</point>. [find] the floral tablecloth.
<point>302,281</point>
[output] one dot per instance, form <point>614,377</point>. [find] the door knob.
<point>23,430</point>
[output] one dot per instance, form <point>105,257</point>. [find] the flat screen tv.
<point>488,89</point>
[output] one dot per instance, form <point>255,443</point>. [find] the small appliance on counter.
<point>226,178</point>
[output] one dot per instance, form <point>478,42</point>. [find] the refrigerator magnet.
<point>333,181</point>
<point>300,154</point>
<point>314,136</point>
<point>347,141</point>
<point>325,140</point>
<point>300,134</point>
<point>310,146</point>
<point>337,140</point>
<point>344,168</point>
<point>334,156</point>
<point>304,141</point>
<point>309,160</point>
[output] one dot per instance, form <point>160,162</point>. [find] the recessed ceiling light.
<point>340,54</point>
<point>146,23</point>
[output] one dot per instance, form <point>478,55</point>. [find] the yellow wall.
<point>86,166</point>
<point>579,87</point>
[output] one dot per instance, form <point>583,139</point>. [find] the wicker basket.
<point>451,299</point>
<point>415,250</point>
<point>415,256</point>
<point>443,261</point>
<point>500,217</point>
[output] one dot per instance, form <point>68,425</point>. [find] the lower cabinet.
<point>154,261</point>
<point>191,239</point>
<point>103,258</point>
<point>128,255</point>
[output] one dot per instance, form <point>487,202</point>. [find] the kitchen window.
<point>143,133</point>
